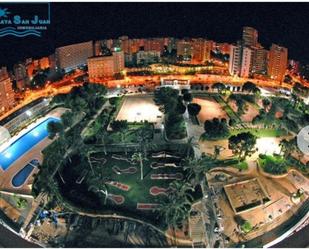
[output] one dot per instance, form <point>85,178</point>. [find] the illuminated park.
<point>155,142</point>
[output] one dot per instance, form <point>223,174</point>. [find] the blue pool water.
<point>22,175</point>
<point>24,143</point>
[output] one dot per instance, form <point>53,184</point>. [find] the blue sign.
<point>24,19</point>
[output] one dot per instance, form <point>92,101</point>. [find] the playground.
<point>138,109</point>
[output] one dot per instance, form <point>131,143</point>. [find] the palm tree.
<point>198,167</point>
<point>103,138</point>
<point>287,147</point>
<point>190,144</point>
<point>139,157</point>
<point>144,139</point>
<point>176,208</point>
<point>217,150</point>
<point>181,188</point>
<point>98,184</point>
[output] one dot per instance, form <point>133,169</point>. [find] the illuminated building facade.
<point>201,50</point>
<point>100,67</point>
<point>278,59</point>
<point>21,75</point>
<point>147,57</point>
<point>249,36</point>
<point>184,50</point>
<point>241,60</point>
<point>71,56</point>
<point>260,61</point>
<point>7,100</point>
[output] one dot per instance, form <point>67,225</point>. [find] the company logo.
<point>20,20</point>
<point>4,12</point>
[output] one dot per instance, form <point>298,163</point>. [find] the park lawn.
<point>137,193</point>
<point>261,132</point>
<point>226,107</point>
<point>241,165</point>
<point>139,189</point>
<point>131,136</point>
<point>275,164</point>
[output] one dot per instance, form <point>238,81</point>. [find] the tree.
<point>216,151</point>
<point>180,108</point>
<point>122,127</point>
<point>119,125</point>
<point>246,227</point>
<point>287,147</point>
<point>98,184</point>
<point>242,144</point>
<point>187,97</point>
<point>114,100</point>
<point>140,158</point>
<point>164,95</point>
<point>54,128</point>
<point>218,86</point>
<point>194,109</point>
<point>190,145</point>
<point>176,208</point>
<point>250,87</point>
<point>103,138</point>
<point>300,90</point>
<point>144,137</point>
<point>216,128</point>
<point>266,103</point>
<point>197,167</point>
<point>67,118</point>
<point>240,102</point>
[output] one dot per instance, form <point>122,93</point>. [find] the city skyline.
<point>215,21</point>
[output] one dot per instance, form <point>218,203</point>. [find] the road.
<point>10,239</point>
<point>60,87</point>
<point>297,240</point>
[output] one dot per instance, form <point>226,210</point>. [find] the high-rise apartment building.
<point>241,60</point>
<point>147,57</point>
<point>278,59</point>
<point>260,61</point>
<point>100,67</point>
<point>249,36</point>
<point>184,50</point>
<point>294,66</point>
<point>201,50</point>
<point>7,100</point>
<point>118,57</point>
<point>21,75</point>
<point>235,59</point>
<point>223,48</point>
<point>154,44</point>
<point>246,62</point>
<point>71,56</point>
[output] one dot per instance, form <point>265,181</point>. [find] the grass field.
<point>138,189</point>
<point>261,132</point>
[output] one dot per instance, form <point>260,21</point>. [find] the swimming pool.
<point>22,175</point>
<point>23,144</point>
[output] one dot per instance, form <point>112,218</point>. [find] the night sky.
<point>282,23</point>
